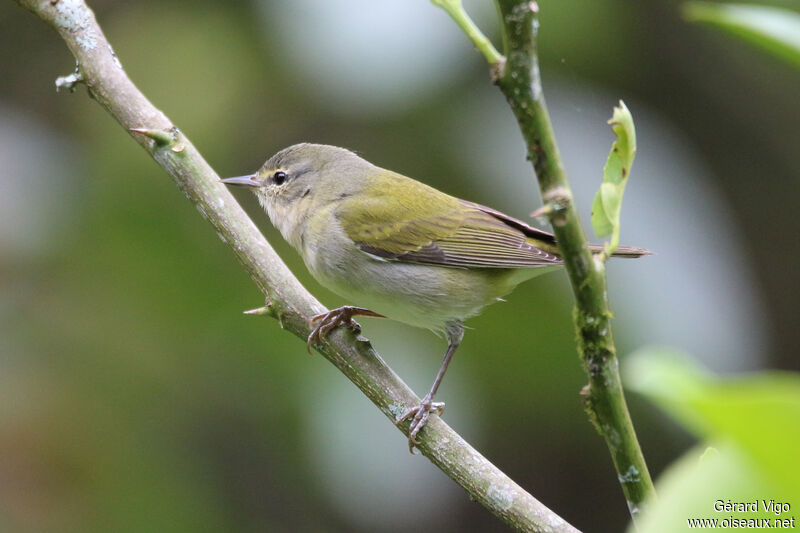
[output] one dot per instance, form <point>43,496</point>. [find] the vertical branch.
<point>604,400</point>
<point>517,76</point>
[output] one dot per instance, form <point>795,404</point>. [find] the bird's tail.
<point>623,251</point>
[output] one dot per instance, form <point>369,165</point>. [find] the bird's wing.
<point>418,224</point>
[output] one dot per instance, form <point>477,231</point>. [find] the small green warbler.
<point>396,247</point>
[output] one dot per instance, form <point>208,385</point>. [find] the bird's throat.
<point>289,221</point>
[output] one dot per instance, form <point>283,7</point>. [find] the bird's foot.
<point>420,413</point>
<point>343,316</point>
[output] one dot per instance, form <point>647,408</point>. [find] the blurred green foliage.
<point>751,424</point>
<point>773,29</point>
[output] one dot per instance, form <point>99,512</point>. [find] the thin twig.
<point>520,82</point>
<point>287,299</point>
<point>457,12</point>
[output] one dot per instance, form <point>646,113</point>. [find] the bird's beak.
<point>243,181</point>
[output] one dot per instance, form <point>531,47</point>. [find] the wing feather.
<point>427,226</point>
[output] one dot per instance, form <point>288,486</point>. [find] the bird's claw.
<point>342,316</point>
<point>421,413</point>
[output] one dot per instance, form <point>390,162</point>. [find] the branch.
<point>287,299</point>
<point>456,11</point>
<point>519,80</point>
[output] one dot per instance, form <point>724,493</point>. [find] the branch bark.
<point>517,75</point>
<point>287,299</point>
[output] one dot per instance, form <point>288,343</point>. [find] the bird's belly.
<point>425,296</point>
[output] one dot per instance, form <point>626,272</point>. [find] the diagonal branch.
<point>518,78</point>
<point>287,299</point>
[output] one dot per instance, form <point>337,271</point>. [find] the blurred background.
<point>135,396</point>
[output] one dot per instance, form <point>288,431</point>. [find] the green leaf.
<point>691,486</point>
<point>758,414</point>
<point>774,30</point>
<point>601,221</point>
<point>607,202</point>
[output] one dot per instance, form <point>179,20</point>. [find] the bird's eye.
<point>279,177</point>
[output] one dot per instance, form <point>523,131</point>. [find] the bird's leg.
<point>427,406</point>
<point>327,322</point>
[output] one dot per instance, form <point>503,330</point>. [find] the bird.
<point>397,248</point>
